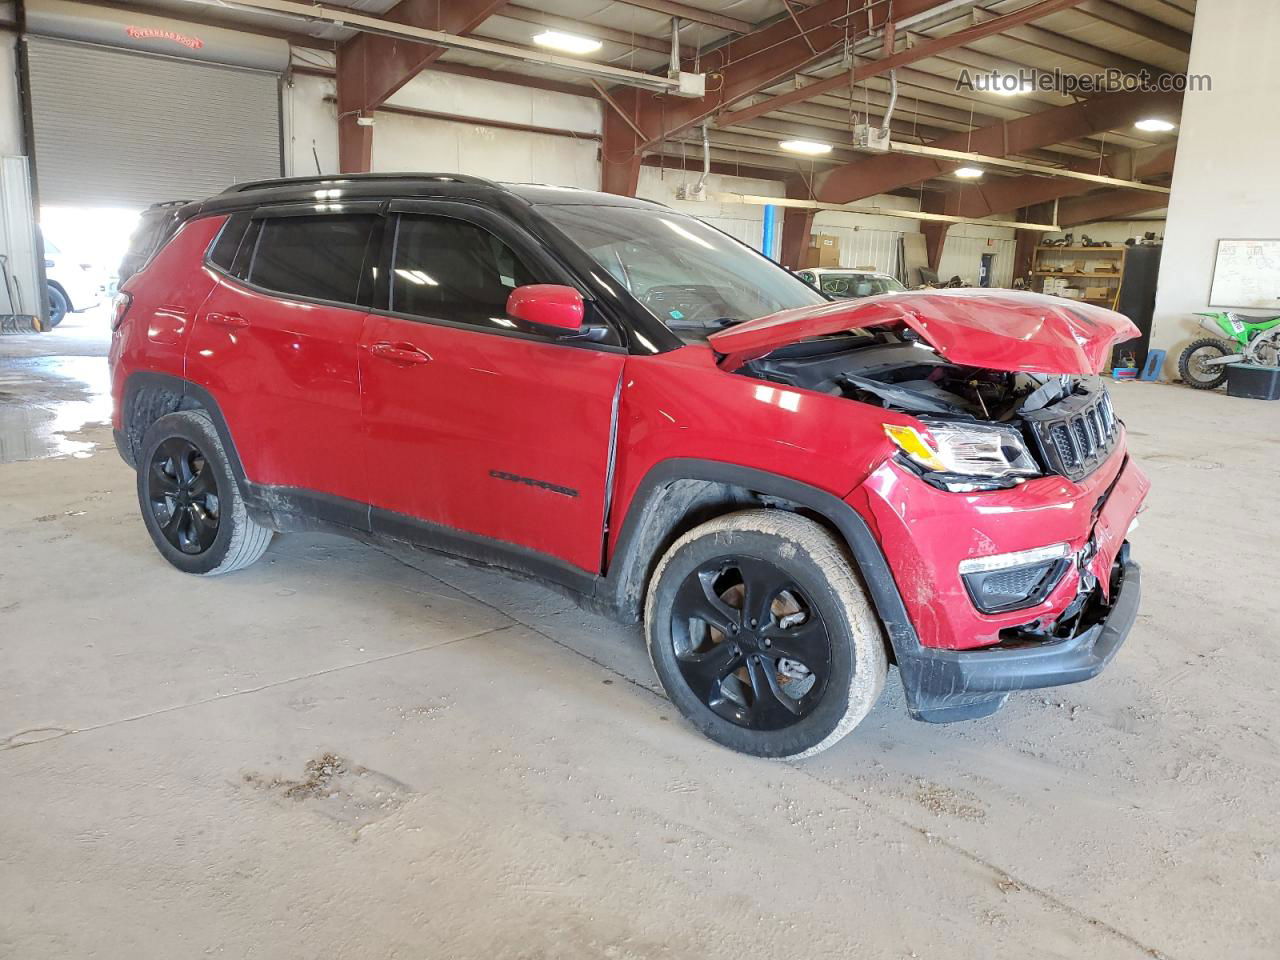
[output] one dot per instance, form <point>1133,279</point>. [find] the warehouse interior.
<point>361,748</point>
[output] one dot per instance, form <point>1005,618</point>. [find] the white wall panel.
<point>10,110</point>
<point>742,220</point>
<point>1224,177</point>
<point>967,242</point>
<point>416,143</point>
<point>310,122</point>
<point>869,240</point>
<point>491,100</point>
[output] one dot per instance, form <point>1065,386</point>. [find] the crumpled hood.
<point>1005,330</point>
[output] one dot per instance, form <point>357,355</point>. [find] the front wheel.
<point>762,635</point>
<point>1191,365</point>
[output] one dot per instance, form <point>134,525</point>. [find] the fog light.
<point>1011,581</point>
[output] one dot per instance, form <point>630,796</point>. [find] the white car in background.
<point>849,284</point>
<point>71,286</point>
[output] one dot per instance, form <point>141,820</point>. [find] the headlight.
<point>966,456</point>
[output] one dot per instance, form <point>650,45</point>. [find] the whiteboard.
<point>1247,274</point>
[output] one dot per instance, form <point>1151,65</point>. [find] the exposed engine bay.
<point>901,372</point>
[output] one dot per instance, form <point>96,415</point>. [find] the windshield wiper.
<point>719,323</point>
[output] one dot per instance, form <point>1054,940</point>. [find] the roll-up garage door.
<point>123,129</point>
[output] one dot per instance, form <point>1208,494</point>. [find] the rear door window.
<point>315,257</point>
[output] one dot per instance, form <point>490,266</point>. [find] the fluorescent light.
<point>969,173</point>
<point>416,276</point>
<point>567,42</point>
<point>810,147</point>
<point>1010,84</point>
<point>1152,125</point>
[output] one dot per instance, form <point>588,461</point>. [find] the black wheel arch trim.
<point>623,575</point>
<point>191,395</point>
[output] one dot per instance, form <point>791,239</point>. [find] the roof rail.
<point>347,177</point>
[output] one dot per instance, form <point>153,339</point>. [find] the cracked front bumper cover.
<point>948,685</point>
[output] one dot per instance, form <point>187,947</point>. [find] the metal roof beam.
<point>931,47</point>
<point>1139,23</point>
<point>984,200</point>
<point>878,174</point>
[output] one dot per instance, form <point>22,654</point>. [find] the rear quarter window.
<point>223,252</point>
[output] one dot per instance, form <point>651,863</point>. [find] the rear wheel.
<point>1191,365</point>
<point>190,500</point>
<point>762,635</point>
<point>59,305</point>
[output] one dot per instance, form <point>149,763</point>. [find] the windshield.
<point>858,285</point>
<point>689,275</point>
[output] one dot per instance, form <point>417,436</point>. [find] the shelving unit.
<point>1089,265</point>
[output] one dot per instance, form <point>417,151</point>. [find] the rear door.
<point>276,344</point>
<point>477,421</point>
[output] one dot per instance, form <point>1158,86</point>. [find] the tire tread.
<point>870,657</point>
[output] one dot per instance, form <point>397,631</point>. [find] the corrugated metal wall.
<point>123,129</point>
<point>866,248</point>
<point>962,256</point>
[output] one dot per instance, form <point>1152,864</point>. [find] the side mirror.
<point>548,305</point>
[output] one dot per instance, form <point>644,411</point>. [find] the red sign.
<point>156,33</point>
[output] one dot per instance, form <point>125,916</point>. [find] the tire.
<point>184,482</point>
<point>1187,364</point>
<point>730,683</point>
<point>59,305</point>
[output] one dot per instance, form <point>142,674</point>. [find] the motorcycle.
<point>1203,365</point>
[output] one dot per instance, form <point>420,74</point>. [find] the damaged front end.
<point>978,429</point>
<point>1003,511</point>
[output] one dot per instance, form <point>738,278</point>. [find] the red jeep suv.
<point>620,400</point>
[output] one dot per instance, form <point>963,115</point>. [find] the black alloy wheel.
<point>749,643</point>
<point>182,491</point>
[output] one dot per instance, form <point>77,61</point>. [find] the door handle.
<point>405,353</point>
<point>227,319</point>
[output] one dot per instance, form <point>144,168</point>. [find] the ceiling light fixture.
<point>809,147</point>
<point>1015,90</point>
<point>969,173</point>
<point>1152,125</point>
<point>567,42</point>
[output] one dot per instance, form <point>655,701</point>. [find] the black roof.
<point>383,186</point>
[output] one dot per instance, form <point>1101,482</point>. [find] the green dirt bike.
<point>1203,365</point>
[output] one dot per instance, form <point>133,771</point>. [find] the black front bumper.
<point>947,685</point>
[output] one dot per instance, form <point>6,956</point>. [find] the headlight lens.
<point>982,451</point>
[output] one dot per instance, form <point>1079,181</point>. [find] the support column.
<point>797,228</point>
<point>1026,241</point>
<point>355,143</point>
<point>620,146</point>
<point>935,233</point>
<point>797,224</point>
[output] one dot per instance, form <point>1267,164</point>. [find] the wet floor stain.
<point>46,401</point>
<point>345,792</point>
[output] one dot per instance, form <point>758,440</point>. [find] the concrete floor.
<point>355,753</point>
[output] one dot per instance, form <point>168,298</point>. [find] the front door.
<point>475,420</point>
